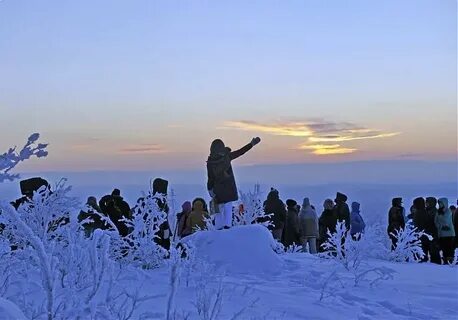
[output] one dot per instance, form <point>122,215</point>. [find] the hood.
<point>273,195</point>
<point>291,203</point>
<point>306,203</point>
<point>340,197</point>
<point>29,186</point>
<point>328,204</point>
<point>431,202</point>
<point>186,206</point>
<point>116,193</point>
<point>443,203</point>
<point>419,203</point>
<point>355,207</point>
<point>217,147</point>
<point>396,202</point>
<point>160,186</point>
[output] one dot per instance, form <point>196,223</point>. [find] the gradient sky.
<point>136,85</point>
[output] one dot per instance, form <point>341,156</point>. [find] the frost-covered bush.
<point>253,211</point>
<point>408,247</point>
<point>354,257</point>
<point>44,234</point>
<point>13,157</point>
<point>139,247</point>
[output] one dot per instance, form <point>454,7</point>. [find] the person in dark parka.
<point>291,233</point>
<point>396,220</point>
<point>28,187</point>
<point>431,229</point>
<point>274,206</point>
<point>420,221</point>
<point>160,187</point>
<point>114,206</point>
<point>326,222</point>
<point>93,213</point>
<point>341,210</point>
<point>221,184</point>
<point>454,212</point>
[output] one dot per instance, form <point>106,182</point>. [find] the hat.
<point>291,203</point>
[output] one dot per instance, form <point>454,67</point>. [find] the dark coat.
<point>291,232</point>
<point>273,205</point>
<point>92,213</point>
<point>420,216</point>
<point>116,209</point>
<point>220,174</point>
<point>396,220</point>
<point>431,212</point>
<point>327,221</point>
<point>342,211</point>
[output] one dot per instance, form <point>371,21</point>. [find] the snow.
<point>242,249</point>
<point>264,285</point>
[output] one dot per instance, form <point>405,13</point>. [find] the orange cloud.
<point>343,138</point>
<point>316,132</point>
<point>326,149</point>
<point>281,129</point>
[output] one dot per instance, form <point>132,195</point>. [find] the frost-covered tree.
<point>10,159</point>
<point>253,211</point>
<point>408,247</point>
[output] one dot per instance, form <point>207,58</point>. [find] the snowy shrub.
<point>13,157</point>
<point>408,246</point>
<point>353,256</point>
<point>139,247</point>
<point>253,211</point>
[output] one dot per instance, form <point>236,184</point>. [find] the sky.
<point>137,85</point>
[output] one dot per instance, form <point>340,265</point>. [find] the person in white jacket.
<point>308,225</point>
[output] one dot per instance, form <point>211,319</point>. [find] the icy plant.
<point>353,256</point>
<point>294,248</point>
<point>408,247</point>
<point>253,211</point>
<point>13,157</point>
<point>139,247</point>
<point>36,225</point>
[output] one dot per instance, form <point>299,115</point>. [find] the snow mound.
<point>242,249</point>
<point>9,311</point>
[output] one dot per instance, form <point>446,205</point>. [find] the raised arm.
<point>237,153</point>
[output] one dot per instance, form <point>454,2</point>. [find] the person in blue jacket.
<point>357,222</point>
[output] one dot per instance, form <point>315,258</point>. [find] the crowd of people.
<point>290,223</point>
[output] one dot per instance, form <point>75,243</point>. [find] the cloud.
<point>280,129</point>
<point>326,149</point>
<point>319,133</point>
<point>352,137</point>
<point>143,149</point>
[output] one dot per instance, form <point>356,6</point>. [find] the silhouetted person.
<point>431,229</point>
<point>396,220</point>
<point>160,188</point>
<point>341,210</point>
<point>117,210</point>
<point>92,212</point>
<point>291,233</point>
<point>221,182</point>
<point>327,222</point>
<point>357,222</point>
<point>274,206</point>
<point>28,187</point>
<point>182,218</point>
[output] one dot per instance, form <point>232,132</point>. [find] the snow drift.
<point>243,249</point>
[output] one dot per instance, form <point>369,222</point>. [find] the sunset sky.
<point>142,84</point>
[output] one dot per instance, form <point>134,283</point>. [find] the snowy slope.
<point>252,282</point>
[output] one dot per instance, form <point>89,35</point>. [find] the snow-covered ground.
<point>235,274</point>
